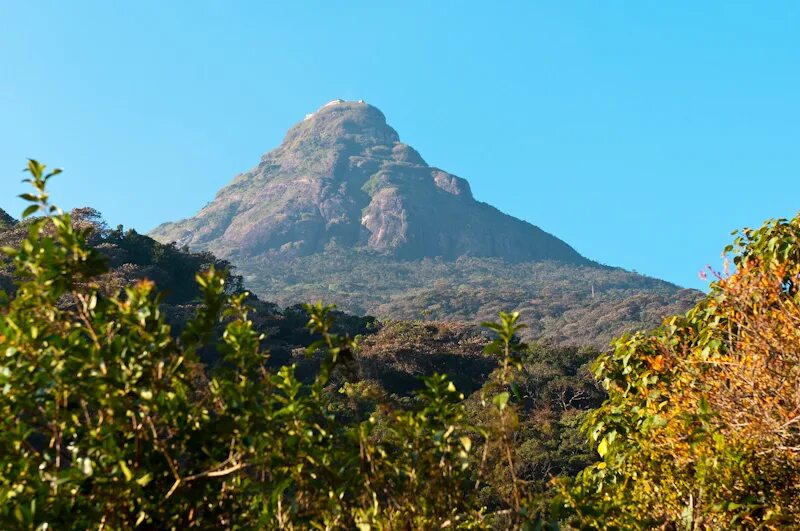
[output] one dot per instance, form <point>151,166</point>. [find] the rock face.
<point>343,178</point>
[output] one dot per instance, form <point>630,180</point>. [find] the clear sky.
<point>641,133</point>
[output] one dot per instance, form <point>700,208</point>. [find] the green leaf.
<point>501,400</point>
<point>516,390</point>
<point>30,210</point>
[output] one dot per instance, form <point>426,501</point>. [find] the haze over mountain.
<point>344,211</point>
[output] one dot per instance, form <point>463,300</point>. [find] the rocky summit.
<point>343,178</point>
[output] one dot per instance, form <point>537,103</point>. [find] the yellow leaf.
<point>602,448</point>
<point>466,442</point>
<point>125,470</point>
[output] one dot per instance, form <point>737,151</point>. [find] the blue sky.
<point>641,133</point>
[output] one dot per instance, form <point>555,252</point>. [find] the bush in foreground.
<point>702,426</point>
<point>108,420</point>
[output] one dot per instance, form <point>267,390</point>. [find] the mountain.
<point>342,177</point>
<point>345,212</point>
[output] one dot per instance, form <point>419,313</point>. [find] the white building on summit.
<point>332,102</point>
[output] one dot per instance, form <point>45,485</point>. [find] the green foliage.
<point>109,421</point>
<point>129,256</point>
<point>108,418</point>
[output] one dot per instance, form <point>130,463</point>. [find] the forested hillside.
<point>564,303</point>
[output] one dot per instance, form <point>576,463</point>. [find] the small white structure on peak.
<point>332,102</point>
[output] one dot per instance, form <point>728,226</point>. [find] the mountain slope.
<point>564,303</point>
<point>342,177</point>
<point>5,219</point>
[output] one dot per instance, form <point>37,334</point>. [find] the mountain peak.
<point>342,177</point>
<point>339,107</point>
<point>342,122</point>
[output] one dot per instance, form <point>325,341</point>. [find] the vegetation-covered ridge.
<point>5,219</point>
<point>562,303</point>
<point>129,256</point>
